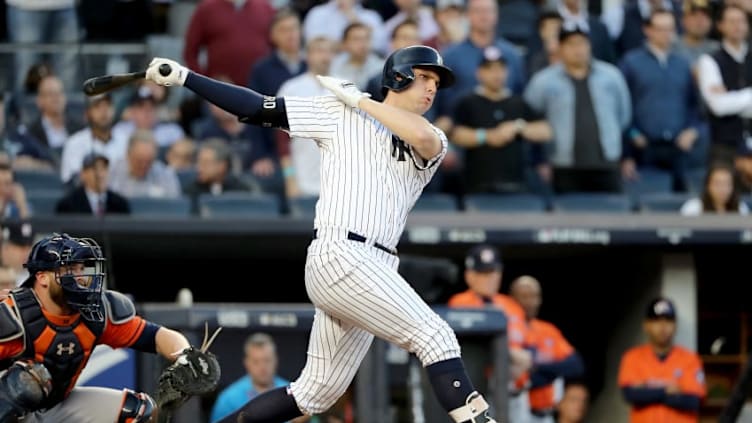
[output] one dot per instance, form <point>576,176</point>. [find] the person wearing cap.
<point>17,238</point>
<point>587,103</point>
<point>483,272</point>
<point>96,137</point>
<point>697,22</point>
<point>723,78</point>
<point>554,358</point>
<point>497,130</point>
<point>142,114</point>
<point>92,196</point>
<point>666,123</point>
<point>661,381</point>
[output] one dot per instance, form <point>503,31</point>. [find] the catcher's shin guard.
<point>137,407</point>
<point>475,406</point>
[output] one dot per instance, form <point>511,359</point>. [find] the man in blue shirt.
<point>260,362</point>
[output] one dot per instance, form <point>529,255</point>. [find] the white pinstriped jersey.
<point>369,179</point>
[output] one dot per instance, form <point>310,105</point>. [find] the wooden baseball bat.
<point>103,84</point>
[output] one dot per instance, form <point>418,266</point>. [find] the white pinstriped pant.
<point>358,294</point>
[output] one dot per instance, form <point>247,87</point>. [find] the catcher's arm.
<point>170,343</point>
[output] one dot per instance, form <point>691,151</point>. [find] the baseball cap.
<point>661,308</point>
<point>142,95</point>
<point>492,54</point>
<point>19,232</point>
<point>569,28</point>
<point>483,258</point>
<point>92,158</point>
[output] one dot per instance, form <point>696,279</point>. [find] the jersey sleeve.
<point>313,117</point>
<point>628,371</point>
<point>426,164</point>
<point>123,335</point>
<point>562,347</point>
<point>693,379</point>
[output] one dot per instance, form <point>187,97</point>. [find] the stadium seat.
<point>303,206</point>
<point>186,177</point>
<point>38,180</point>
<point>435,202</point>
<point>43,202</point>
<point>650,181</point>
<point>505,203</point>
<point>163,207</point>
<point>239,204</point>
<point>593,202</point>
<point>695,180</point>
<point>666,202</point>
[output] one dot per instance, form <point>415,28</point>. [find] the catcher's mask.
<point>79,269</point>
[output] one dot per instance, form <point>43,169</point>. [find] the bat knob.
<point>164,69</point>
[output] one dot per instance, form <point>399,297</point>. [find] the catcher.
<point>50,325</point>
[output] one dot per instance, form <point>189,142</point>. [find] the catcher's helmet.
<point>78,264</point>
<point>398,69</point>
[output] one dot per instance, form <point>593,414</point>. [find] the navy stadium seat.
<point>239,205</point>
<point>505,203</point>
<point>593,202</point>
<point>155,206</point>
<point>435,202</point>
<point>43,202</point>
<point>666,202</point>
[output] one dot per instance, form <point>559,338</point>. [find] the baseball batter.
<point>375,160</point>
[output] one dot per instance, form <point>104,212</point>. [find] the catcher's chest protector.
<point>64,349</point>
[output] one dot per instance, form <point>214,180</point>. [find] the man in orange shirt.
<point>663,382</point>
<point>483,271</point>
<point>553,356</point>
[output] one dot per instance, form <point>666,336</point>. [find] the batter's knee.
<point>436,342</point>
<point>137,407</point>
<point>316,398</point>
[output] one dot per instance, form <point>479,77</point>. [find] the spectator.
<point>13,202</point>
<point>494,128</point>
<point>452,20</point>
<point>260,363</point>
<point>463,58</point>
<point>43,21</point>
<point>140,173</point>
<point>286,60</point>
<point>697,22</point>
<point>92,196</point>
<point>661,381</point>
<point>356,63</point>
<point>142,114</point>
<point>299,157</point>
<point>96,137</point>
<point>553,356</point>
<point>234,34</point>
<point>18,238</point>
<point>624,21</point>
<point>405,34</point>
<point>574,403</point>
<point>331,18</point>
<point>666,122</point>
<point>53,126</point>
<point>576,11</point>
<point>719,194</point>
<point>587,103</point>
<point>483,272</point>
<point>549,25</point>
<point>743,168</point>
<point>21,149</point>
<point>724,85</point>
<point>182,155</point>
<point>214,172</point>
<point>422,15</point>
<point>257,153</point>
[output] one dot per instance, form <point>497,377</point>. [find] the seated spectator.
<point>142,114</point>
<point>666,123</point>
<point>574,403</point>
<point>549,25</point>
<point>422,15</point>
<point>96,137</point>
<point>495,128</point>
<point>13,202</point>
<point>19,147</point>
<point>720,194</point>
<point>181,155</point>
<point>587,103</point>
<point>330,19</point>
<point>405,34</point>
<point>18,238</point>
<point>140,173</point>
<point>214,172</point>
<point>92,195</point>
<point>356,63</point>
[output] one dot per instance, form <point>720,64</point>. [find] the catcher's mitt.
<point>194,372</point>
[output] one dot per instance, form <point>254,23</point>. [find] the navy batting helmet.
<point>398,69</point>
<point>78,264</point>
